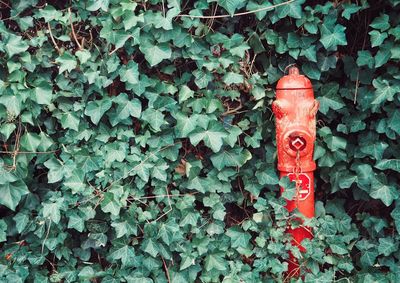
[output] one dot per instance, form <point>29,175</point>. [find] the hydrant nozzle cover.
<point>293,80</point>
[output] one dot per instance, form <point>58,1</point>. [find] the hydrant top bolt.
<point>294,71</point>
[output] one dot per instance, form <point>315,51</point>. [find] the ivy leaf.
<point>150,247</point>
<point>130,73</point>
<point>30,141</point>
<point>96,109</point>
<point>154,54</point>
<point>52,211</point>
<point>21,221</point>
<point>377,38</point>
<point>212,137</point>
<point>94,5</point>
<point>329,98</point>
<point>185,125</point>
<point>70,121</point>
<point>76,222</point>
<point>234,157</point>
<point>384,164</point>
<point>126,108</point>
<point>381,22</point>
<point>155,118</point>
<point>11,193</point>
<point>215,262</point>
<point>387,246</point>
<point>231,5</point>
<point>43,93</point>
<point>384,91</point>
<point>185,93</point>
<point>3,230</point>
<point>14,44</point>
<point>67,62</point>
<point>125,253</point>
<point>386,193</point>
<point>233,78</point>
<point>108,204</point>
<point>396,216</point>
<point>267,176</point>
<point>239,238</point>
<point>331,39</point>
<point>394,121</point>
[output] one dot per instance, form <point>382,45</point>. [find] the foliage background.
<point>138,144</point>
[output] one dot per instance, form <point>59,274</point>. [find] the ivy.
<point>137,142</point>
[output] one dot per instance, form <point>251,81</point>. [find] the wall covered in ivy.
<point>138,142</point>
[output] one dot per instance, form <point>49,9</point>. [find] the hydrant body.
<point>295,109</point>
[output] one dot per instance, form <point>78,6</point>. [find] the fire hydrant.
<point>295,109</point>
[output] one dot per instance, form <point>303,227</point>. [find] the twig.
<point>232,111</point>
<point>52,39</point>
<point>166,270</point>
<point>165,195</point>
<point>47,235</point>
<point>169,210</point>
<point>30,152</point>
<point>73,30</point>
<point>238,14</point>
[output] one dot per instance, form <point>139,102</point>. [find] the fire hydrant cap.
<point>293,80</point>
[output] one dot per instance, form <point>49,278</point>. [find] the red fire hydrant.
<point>295,109</point>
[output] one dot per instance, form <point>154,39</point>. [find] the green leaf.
<point>21,221</point>
<point>365,58</point>
<point>67,62</point>
<point>384,164</point>
<point>185,125</point>
<point>215,262</point>
<point>30,141</point>
<point>126,108</point>
<point>185,93</point>
<point>267,176</point>
<point>56,172</point>
<point>11,193</point>
<point>396,216</point>
<point>76,222</point>
<point>14,44</point>
<point>52,211</point>
<point>12,103</point>
<point>381,22</point>
<point>155,118</point>
<point>239,238</point>
<point>83,55</point>
<point>70,121</point>
<point>384,91</point>
<point>3,231</point>
<point>329,98</point>
<point>394,121</point>
<point>96,109</point>
<point>212,137</point>
<point>231,5</point>
<point>130,73</point>
<point>236,157</point>
<point>154,54</point>
<point>94,5</point>
<point>43,93</point>
<point>385,193</point>
<point>387,246</point>
<point>108,204</point>
<point>150,247</point>
<point>125,253</point>
<point>233,78</point>
<point>331,39</point>
<point>377,38</point>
